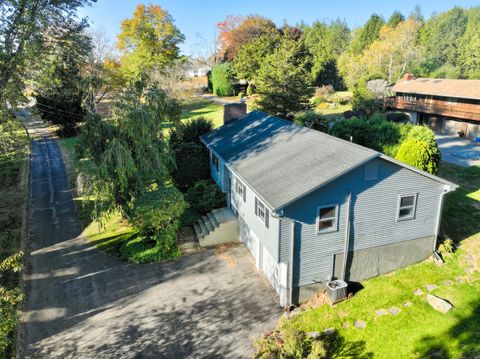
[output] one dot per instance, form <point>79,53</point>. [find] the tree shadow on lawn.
<point>466,332</point>
<point>337,347</point>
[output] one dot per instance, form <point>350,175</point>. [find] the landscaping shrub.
<point>420,154</point>
<point>324,91</point>
<point>312,120</point>
<point>209,82</point>
<point>191,165</point>
<point>223,79</point>
<point>205,196</point>
<point>318,100</point>
<point>242,95</point>
<point>290,343</point>
<point>364,100</point>
<point>397,117</point>
<point>189,131</point>
<point>251,89</point>
<point>446,247</point>
<point>157,216</point>
<point>323,106</point>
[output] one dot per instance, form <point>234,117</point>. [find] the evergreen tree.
<point>284,80</point>
<point>396,18</point>
<point>368,34</point>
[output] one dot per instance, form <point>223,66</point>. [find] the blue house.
<point>305,201</point>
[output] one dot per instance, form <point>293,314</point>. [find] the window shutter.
<point>244,193</point>
<point>256,206</point>
<point>267,217</point>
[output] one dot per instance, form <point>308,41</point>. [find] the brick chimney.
<point>232,111</point>
<point>408,77</point>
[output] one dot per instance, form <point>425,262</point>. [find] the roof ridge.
<point>322,133</point>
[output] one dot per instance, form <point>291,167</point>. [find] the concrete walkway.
<point>450,144</point>
<point>82,303</point>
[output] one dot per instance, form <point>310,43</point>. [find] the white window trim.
<point>264,211</point>
<point>414,213</point>
<point>334,228</point>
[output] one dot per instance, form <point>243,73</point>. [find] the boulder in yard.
<point>438,303</point>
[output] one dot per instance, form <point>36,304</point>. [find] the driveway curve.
<point>83,303</point>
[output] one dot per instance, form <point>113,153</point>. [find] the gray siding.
<point>269,237</point>
<point>373,217</point>
<point>286,230</point>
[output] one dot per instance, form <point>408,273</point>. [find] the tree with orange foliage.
<point>149,40</point>
<point>236,32</point>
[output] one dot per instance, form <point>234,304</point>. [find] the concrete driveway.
<point>82,303</point>
<point>450,144</point>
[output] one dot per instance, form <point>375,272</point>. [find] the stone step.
<point>203,227</point>
<point>213,220</point>
<point>208,224</point>
<point>198,231</point>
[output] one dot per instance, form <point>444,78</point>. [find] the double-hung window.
<point>241,189</point>
<point>262,212</point>
<point>327,218</point>
<point>406,207</point>
<point>214,161</point>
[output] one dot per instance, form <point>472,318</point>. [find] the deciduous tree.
<point>235,32</point>
<point>148,40</point>
<point>27,29</point>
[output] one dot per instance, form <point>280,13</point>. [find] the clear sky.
<point>200,17</point>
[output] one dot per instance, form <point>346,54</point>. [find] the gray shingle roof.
<point>282,161</point>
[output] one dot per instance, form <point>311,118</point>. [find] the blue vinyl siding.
<point>269,237</point>
<point>373,217</point>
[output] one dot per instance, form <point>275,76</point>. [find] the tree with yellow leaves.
<point>149,40</point>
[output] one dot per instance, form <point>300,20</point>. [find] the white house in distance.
<point>197,69</point>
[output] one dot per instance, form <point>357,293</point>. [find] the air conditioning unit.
<point>336,291</point>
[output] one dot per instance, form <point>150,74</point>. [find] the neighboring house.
<point>447,106</point>
<point>197,69</point>
<point>302,197</point>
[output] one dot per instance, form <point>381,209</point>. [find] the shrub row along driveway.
<point>82,303</point>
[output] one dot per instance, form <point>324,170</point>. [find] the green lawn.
<point>197,107</point>
<point>417,331</point>
<point>115,230</point>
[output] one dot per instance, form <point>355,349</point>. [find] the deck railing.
<point>436,107</point>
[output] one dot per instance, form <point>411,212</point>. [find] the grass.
<point>109,238</point>
<point>115,231</point>
<point>417,331</point>
<point>196,107</point>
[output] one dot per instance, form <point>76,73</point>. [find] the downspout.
<point>290,266</point>
<point>439,218</point>
<point>347,237</point>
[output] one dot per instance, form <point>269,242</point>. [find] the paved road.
<point>82,303</point>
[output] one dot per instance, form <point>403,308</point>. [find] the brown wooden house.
<point>447,106</point>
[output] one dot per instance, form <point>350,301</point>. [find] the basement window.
<point>406,207</point>
<point>327,218</point>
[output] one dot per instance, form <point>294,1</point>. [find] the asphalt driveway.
<point>82,303</point>
<point>450,145</point>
